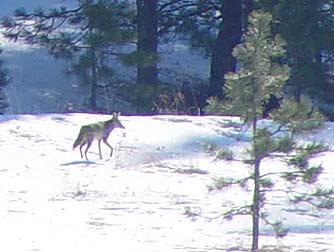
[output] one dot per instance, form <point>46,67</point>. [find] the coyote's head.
<point>115,121</point>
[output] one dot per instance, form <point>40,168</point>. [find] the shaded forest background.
<point>94,34</point>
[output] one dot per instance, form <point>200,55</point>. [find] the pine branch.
<point>270,174</point>
<point>243,210</point>
<point>62,12</point>
<point>221,183</point>
<point>320,198</point>
<point>174,5</point>
<point>313,148</point>
<point>277,226</point>
<point>228,215</point>
<point>278,130</point>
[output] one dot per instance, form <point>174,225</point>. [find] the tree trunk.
<point>147,28</point>
<point>256,207</point>
<point>228,37</point>
<point>256,193</point>
<point>92,99</point>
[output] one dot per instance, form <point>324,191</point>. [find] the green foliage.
<point>87,36</point>
<point>192,212</point>
<point>138,57</point>
<point>320,198</point>
<point>148,98</point>
<point>225,182</point>
<point>312,173</point>
<point>284,144</point>
<point>3,101</point>
<point>4,80</point>
<point>225,154</point>
<point>214,106</point>
<point>298,116</point>
<point>200,31</point>
<point>191,171</point>
<point>220,183</point>
<point>263,143</point>
<point>209,147</point>
<point>219,153</point>
<point>266,183</point>
<point>306,174</point>
<point>306,26</point>
<point>305,152</point>
<point>326,196</point>
<point>259,77</point>
<point>313,148</point>
<point>300,162</point>
<point>20,12</point>
<point>4,74</point>
<point>326,204</point>
<point>144,96</point>
<point>279,229</point>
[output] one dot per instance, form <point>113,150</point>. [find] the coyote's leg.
<point>99,141</point>
<point>106,142</point>
<point>81,145</point>
<point>89,143</point>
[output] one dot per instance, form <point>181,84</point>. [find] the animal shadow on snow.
<point>78,163</point>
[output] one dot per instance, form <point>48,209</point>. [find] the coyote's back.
<point>99,131</point>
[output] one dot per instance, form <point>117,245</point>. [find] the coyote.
<point>99,131</point>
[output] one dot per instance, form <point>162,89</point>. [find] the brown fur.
<point>99,131</point>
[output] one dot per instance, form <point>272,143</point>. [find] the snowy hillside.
<point>51,200</point>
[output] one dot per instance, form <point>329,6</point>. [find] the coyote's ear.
<point>116,114</point>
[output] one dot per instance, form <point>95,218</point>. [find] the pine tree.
<point>229,35</point>
<point>4,80</point>
<point>250,87</point>
<point>157,22</point>
<point>260,76</point>
<point>147,27</point>
<point>87,35</point>
<point>214,27</point>
<point>307,27</point>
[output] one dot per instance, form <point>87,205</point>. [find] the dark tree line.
<point>86,36</point>
<point>4,80</point>
<point>307,27</point>
<point>98,30</point>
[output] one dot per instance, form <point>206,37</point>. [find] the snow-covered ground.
<point>51,200</point>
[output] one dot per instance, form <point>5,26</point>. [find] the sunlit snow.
<point>52,200</point>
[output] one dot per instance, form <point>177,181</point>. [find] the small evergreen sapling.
<point>259,77</point>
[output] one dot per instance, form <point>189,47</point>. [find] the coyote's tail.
<point>79,139</point>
